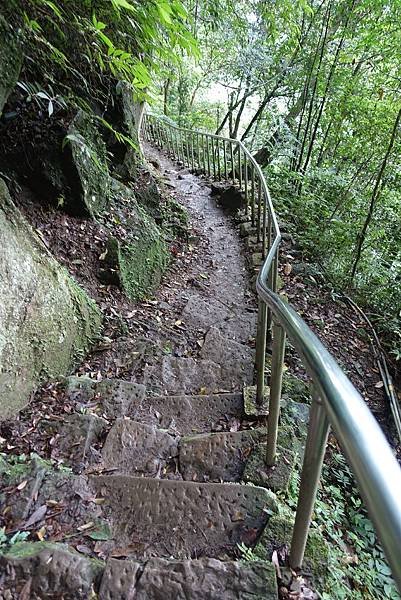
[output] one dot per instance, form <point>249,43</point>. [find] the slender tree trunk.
<point>241,108</point>
<point>377,189</point>
<point>323,37</point>
<point>166,95</point>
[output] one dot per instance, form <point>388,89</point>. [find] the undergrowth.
<point>357,566</point>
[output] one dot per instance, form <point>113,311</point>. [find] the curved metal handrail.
<point>335,401</point>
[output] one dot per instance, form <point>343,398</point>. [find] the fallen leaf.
<point>86,526</point>
<point>22,485</point>
<point>36,516</point>
<point>287,269</point>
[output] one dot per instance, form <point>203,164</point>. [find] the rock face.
<point>47,322</point>
<point>89,162</point>
<point>10,60</point>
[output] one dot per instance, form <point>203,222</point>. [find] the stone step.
<point>182,519</point>
<point>217,456</point>
<point>190,414</point>
<point>136,449</point>
<point>161,579</point>
<point>52,570</point>
<point>111,398</point>
<point>114,398</point>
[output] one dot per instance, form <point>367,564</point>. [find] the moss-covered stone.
<point>53,570</point>
<point>10,60</point>
<point>90,159</point>
<point>47,322</point>
<point>279,532</point>
<point>275,478</point>
<point>137,262</point>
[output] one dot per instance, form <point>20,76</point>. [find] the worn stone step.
<point>182,519</point>
<point>112,398</point>
<point>217,456</point>
<point>160,579</point>
<point>143,450</point>
<point>138,449</point>
<point>176,375</point>
<point>235,360</point>
<point>47,570</point>
<point>190,414</point>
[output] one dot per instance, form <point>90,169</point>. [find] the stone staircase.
<point>158,488</point>
<point>155,490</point>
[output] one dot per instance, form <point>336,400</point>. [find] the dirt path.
<point>202,321</point>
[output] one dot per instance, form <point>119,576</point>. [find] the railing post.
<point>192,152</point>
<point>225,159</point>
<point>239,167</point>
<point>246,183</point>
<point>312,467</point>
<point>209,172</point>
<point>232,161</point>
<point>213,158</point>
<point>260,357</point>
<point>253,194</point>
<point>259,220</point>
<point>276,379</point>
<point>198,157</point>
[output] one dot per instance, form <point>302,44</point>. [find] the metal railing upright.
<point>335,401</point>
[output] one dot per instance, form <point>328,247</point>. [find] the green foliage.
<point>314,84</point>
<point>7,541</point>
<point>357,565</point>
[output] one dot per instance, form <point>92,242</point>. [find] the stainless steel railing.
<point>335,401</point>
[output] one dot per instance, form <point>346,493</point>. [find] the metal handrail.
<point>335,401</point>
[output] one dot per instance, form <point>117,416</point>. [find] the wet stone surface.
<point>219,307</point>
<point>217,456</point>
<point>43,570</point>
<point>161,579</point>
<point>113,397</point>
<point>138,449</point>
<point>79,438</point>
<point>190,414</point>
<point>182,519</point>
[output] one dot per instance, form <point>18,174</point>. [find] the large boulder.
<point>89,158</point>
<point>10,60</point>
<point>47,322</point>
<point>136,260</point>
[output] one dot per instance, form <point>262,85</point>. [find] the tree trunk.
<point>374,197</point>
<point>166,93</point>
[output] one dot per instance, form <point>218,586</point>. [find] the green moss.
<point>14,468</point>
<point>279,532</point>
<point>275,478</point>
<point>22,550</point>
<point>90,158</point>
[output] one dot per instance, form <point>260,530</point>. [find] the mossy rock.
<point>137,262</point>
<point>279,533</point>
<point>10,60</point>
<point>53,570</point>
<point>89,156</point>
<point>47,322</point>
<point>14,468</point>
<point>275,478</point>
